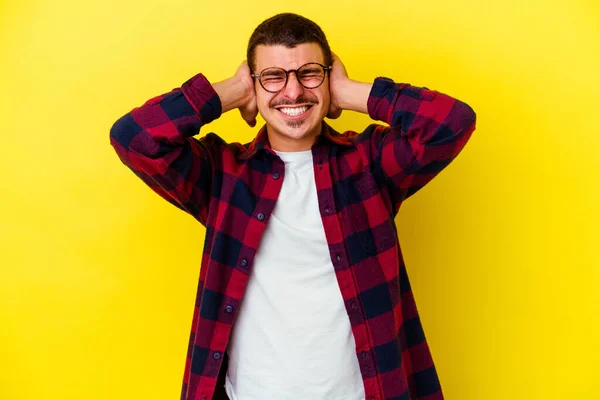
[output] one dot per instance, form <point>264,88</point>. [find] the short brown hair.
<point>289,30</point>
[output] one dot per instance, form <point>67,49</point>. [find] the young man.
<point>299,222</point>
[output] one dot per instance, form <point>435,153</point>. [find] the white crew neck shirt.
<point>292,338</point>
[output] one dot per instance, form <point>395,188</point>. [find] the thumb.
<point>249,116</point>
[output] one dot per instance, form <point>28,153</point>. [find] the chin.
<point>298,129</point>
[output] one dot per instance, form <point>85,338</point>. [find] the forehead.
<point>288,58</point>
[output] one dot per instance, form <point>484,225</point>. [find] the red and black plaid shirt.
<point>361,179</point>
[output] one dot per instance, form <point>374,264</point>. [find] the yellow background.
<point>98,274</point>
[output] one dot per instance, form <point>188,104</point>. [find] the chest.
<point>338,195</point>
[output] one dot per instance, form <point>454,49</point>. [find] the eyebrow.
<point>312,69</point>
<point>273,66</point>
<point>274,72</point>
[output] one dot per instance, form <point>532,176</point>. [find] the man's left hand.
<point>338,77</point>
<point>346,93</point>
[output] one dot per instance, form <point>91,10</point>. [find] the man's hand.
<point>338,77</point>
<point>238,92</point>
<point>248,109</point>
<point>346,94</point>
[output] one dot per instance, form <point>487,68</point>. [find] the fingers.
<point>334,112</point>
<point>334,58</point>
<point>249,118</point>
<point>244,65</point>
<point>248,109</point>
<point>249,115</point>
<point>252,120</point>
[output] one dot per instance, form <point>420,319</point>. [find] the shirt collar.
<point>261,141</point>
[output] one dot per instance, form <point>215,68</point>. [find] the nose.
<point>293,89</point>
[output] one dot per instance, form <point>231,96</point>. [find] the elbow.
<point>466,118</point>
<point>470,117</point>
<point>123,131</point>
<point>121,135</point>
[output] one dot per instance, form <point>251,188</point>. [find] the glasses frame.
<point>287,75</point>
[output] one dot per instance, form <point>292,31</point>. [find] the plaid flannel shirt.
<point>361,179</point>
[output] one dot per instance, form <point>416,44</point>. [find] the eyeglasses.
<point>310,75</point>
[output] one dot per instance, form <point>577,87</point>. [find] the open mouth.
<point>294,112</point>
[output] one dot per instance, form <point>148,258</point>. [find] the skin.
<point>337,93</point>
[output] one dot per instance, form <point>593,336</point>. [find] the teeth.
<point>293,111</point>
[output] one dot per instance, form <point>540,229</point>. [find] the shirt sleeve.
<point>155,140</point>
<point>427,130</point>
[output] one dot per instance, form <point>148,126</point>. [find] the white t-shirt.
<point>292,338</point>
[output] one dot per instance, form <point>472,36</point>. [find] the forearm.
<point>163,122</point>
<point>428,130</point>
<point>155,140</point>
<point>232,93</point>
<point>354,96</point>
<point>428,116</point>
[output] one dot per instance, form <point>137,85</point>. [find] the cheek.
<point>325,98</point>
<point>263,101</point>
<point>324,93</point>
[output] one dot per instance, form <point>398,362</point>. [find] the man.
<point>300,221</point>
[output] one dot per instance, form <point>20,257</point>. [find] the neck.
<point>281,142</point>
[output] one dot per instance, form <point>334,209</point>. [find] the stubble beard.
<point>295,124</point>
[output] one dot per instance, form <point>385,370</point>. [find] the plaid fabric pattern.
<point>362,179</point>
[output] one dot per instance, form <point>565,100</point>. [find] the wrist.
<point>233,93</point>
<point>354,95</point>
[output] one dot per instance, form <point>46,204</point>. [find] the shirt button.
<point>217,356</point>
<point>261,216</point>
<point>327,209</point>
<point>363,355</point>
<point>244,262</point>
<point>229,308</point>
<point>276,175</point>
<point>353,305</point>
<point>338,257</point>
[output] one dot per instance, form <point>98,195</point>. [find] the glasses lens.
<point>311,75</point>
<point>273,79</point>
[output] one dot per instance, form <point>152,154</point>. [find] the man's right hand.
<point>249,109</point>
<point>238,92</point>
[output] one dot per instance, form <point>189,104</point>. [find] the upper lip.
<point>295,105</point>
